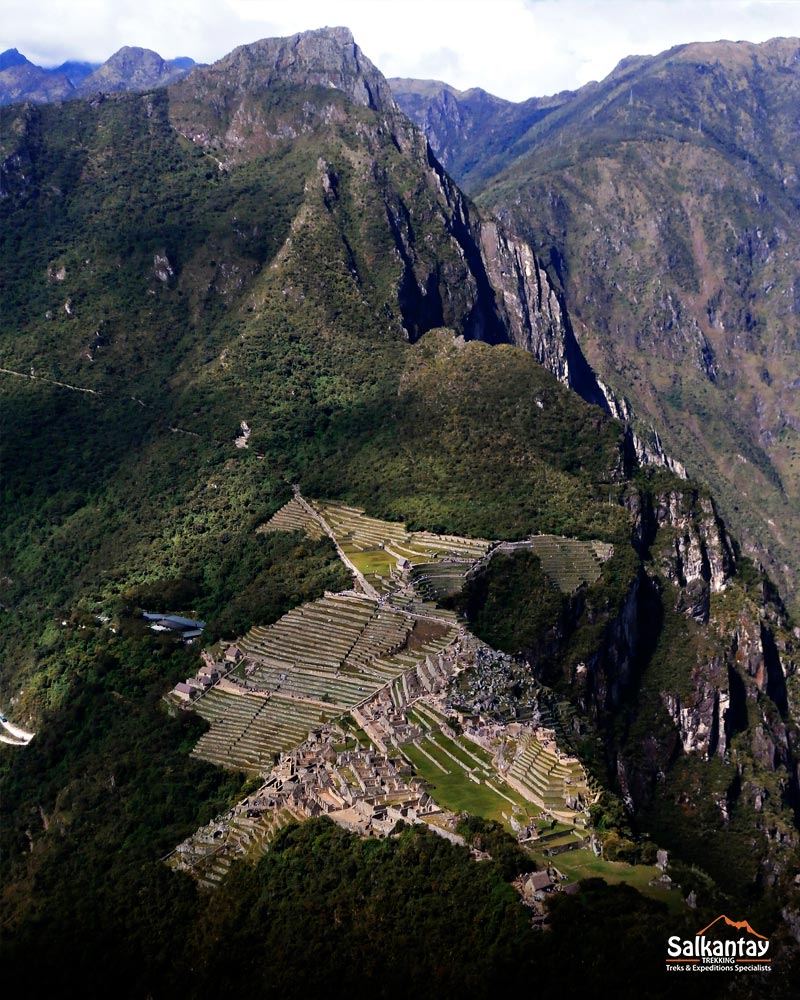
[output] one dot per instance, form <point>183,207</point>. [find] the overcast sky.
<point>512,48</point>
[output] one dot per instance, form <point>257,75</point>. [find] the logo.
<point>725,945</point>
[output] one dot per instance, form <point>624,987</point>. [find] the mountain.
<point>12,57</point>
<point>662,202</point>
<point>133,68</point>
<point>75,71</point>
<point>270,244</point>
<point>128,69</point>
<point>20,80</point>
<point>472,133</point>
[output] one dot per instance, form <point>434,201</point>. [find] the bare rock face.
<point>757,657</point>
<point>221,106</point>
<point>699,558</point>
<point>162,268</point>
<point>645,445</point>
<point>531,305</point>
<point>131,68</point>
<point>533,311</point>
<point>702,718</point>
<point>328,57</point>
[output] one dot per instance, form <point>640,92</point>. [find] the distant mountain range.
<point>130,68</point>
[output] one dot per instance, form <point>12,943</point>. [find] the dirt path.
<point>50,381</point>
<point>368,589</point>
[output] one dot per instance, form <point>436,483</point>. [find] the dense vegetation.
<point>325,912</point>
<point>663,201</point>
<point>314,290</point>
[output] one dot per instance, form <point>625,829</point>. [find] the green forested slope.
<point>319,289</point>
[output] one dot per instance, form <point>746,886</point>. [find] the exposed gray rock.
<point>131,68</point>
<point>701,720</point>
<point>533,312</point>
<point>162,268</point>
<point>326,58</point>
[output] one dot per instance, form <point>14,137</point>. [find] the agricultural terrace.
<point>293,516</point>
<point>382,549</point>
<point>567,561</point>
<point>209,852</point>
<point>315,663</point>
<point>543,774</point>
<point>461,773</point>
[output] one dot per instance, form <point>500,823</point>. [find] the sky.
<point>513,48</point>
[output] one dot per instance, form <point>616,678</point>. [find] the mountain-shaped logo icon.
<point>724,945</point>
<point>738,925</point>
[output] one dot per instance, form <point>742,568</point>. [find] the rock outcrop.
<point>230,106</point>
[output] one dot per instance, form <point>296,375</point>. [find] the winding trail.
<point>369,590</point>
<point>20,736</point>
<point>51,381</point>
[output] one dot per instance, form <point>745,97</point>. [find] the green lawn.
<point>458,750</point>
<point>583,864</point>
<point>457,792</point>
<point>375,562</point>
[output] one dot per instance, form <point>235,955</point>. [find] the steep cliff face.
<point>611,671</point>
<point>664,200</point>
<point>534,312</point>
<point>689,687</point>
<point>696,554</point>
<point>703,723</point>
<point>485,284</point>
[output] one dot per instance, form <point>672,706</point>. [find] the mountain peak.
<point>327,57</point>
<point>132,68</point>
<point>12,57</point>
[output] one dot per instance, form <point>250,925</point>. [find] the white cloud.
<point>514,48</point>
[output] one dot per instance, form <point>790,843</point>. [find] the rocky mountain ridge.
<point>130,68</point>
<point>662,202</point>
<point>270,244</point>
<point>473,133</point>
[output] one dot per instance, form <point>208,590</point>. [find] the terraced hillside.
<point>214,846</point>
<point>382,549</point>
<point>316,662</point>
<point>293,516</point>
<point>568,562</point>
<point>248,730</point>
<point>540,772</point>
<point>438,564</point>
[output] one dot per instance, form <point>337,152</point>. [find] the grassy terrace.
<point>452,787</point>
<point>583,863</point>
<point>569,562</point>
<point>471,756</point>
<point>537,768</point>
<point>247,731</point>
<point>293,517</point>
<point>377,547</point>
<point>439,580</point>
